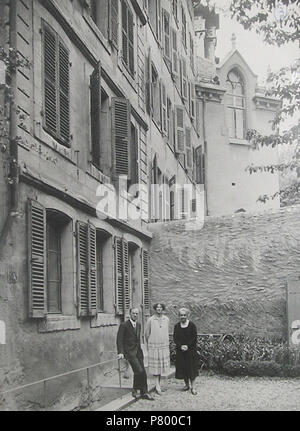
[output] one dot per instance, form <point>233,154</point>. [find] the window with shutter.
<point>183,26</point>
<point>95,91</point>
<point>145,282</point>
<point>86,269</point>
<point>82,268</point>
<point>175,9</point>
<point>188,148</point>
<point>163,95</point>
<point>126,284</point>
<point>166,27</point>
<point>175,67</point>
<point>192,52</point>
<point>127,37</point>
<point>92,259</point>
<point>37,259</point>
<point>121,136</point>
<point>169,120</point>
<point>183,79</point>
<point>54,269</point>
<point>122,286</point>
<point>149,83</point>
<point>158,20</point>
<point>200,165</point>
<point>114,22</point>
<point>56,76</point>
<point>179,129</point>
<point>192,100</point>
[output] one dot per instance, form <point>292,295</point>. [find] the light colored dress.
<point>157,336</point>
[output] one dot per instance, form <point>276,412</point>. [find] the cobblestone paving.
<point>225,393</point>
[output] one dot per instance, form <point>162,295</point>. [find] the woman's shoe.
<point>158,391</point>
<point>186,388</point>
<point>194,392</point>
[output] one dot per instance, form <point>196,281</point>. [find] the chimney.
<point>210,43</point>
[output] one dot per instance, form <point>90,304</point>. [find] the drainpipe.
<point>205,148</point>
<point>13,173</point>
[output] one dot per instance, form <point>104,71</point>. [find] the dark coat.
<point>186,362</point>
<point>128,340</point>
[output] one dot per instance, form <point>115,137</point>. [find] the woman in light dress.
<point>157,337</point>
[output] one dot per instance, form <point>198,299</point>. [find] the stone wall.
<point>232,273</point>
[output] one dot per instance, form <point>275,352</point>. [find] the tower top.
<point>233,41</point>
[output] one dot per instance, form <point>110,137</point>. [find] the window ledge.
<point>236,141</point>
<point>96,30</point>
<point>130,79</point>
<point>57,322</point>
<point>103,320</point>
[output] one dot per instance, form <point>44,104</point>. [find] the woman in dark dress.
<point>185,339</point>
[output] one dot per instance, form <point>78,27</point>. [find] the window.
<point>121,125</point>
<point>184,82</point>
<point>169,120</point>
<point>192,100</point>
<point>122,288</point>
<point>155,15</point>
<point>179,129</point>
<point>50,267</point>
<point>200,165</point>
<point>134,155</point>
<point>235,101</point>
<point>166,27</point>
<point>192,52</point>
<point>127,37</point>
<point>102,240</point>
<point>53,246</point>
<point>105,13</point>
<point>175,66</point>
<point>155,93</point>
<point>175,9</point>
<point>164,125</point>
<point>183,27</point>
<point>172,183</point>
<point>56,82</point>
<point>188,150</point>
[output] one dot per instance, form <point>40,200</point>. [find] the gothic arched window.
<point>236,105</point>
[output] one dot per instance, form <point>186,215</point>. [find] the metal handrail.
<point>47,379</point>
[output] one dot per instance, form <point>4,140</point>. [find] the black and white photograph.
<point>149,208</point>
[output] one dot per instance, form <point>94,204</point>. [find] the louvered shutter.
<point>64,93</point>
<point>179,129</point>
<point>166,26</point>
<point>183,79</point>
<point>145,282</point>
<point>95,90</point>
<point>37,259</point>
<point>114,22</point>
<point>159,19</point>
<point>126,286</point>
<point>130,42</point>
<point>121,135</point>
<point>192,100</point>
<point>149,83</point>
<point>163,104</point>
<point>188,146</point>
<point>175,66</point>
<point>50,80</point>
<point>118,266</point>
<point>92,238</point>
<point>82,268</point>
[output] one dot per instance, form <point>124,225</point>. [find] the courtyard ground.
<point>220,393</point>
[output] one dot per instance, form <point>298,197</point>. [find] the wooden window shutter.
<point>64,93</point>
<point>50,80</point>
<point>82,268</point>
<point>188,146</point>
<point>159,19</point>
<point>114,22</point>
<point>163,104</point>
<point>92,267</point>
<point>192,101</point>
<point>118,266</point>
<point>145,282</point>
<point>121,135</point>
<point>149,83</point>
<point>95,90</point>
<point>126,286</point>
<point>175,66</point>
<point>130,42</point>
<point>183,79</point>
<point>179,129</point>
<point>200,165</point>
<point>166,28</point>
<point>37,259</point>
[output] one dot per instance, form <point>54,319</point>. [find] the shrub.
<point>252,368</point>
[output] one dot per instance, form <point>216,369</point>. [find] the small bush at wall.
<point>239,355</point>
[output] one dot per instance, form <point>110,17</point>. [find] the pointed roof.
<point>239,58</point>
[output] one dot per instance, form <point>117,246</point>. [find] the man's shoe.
<point>148,397</point>
<point>134,393</point>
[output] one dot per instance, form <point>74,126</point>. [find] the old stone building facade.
<point>118,93</point>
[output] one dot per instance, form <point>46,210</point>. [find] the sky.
<point>257,54</point>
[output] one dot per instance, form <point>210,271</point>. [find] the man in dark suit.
<point>129,347</point>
